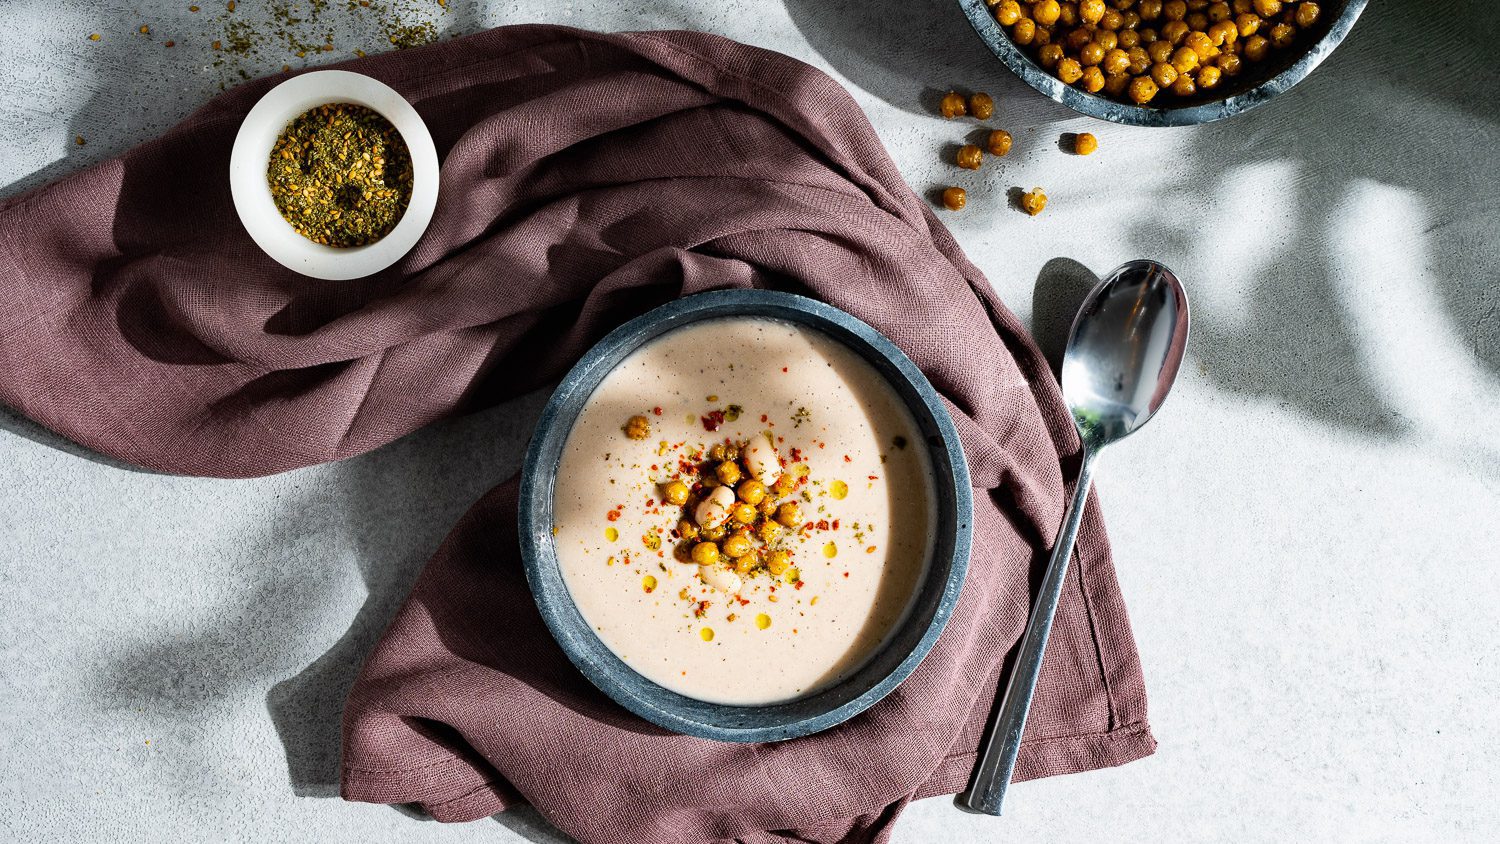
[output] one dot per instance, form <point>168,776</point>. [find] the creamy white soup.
<point>744,511</point>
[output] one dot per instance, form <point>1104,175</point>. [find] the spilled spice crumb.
<point>78,139</point>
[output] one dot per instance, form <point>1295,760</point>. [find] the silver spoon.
<point>1123,354</point>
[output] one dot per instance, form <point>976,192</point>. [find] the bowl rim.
<point>990,32</point>
<point>252,195</point>
<point>933,603</point>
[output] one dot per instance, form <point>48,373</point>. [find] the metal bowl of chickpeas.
<point>1162,62</point>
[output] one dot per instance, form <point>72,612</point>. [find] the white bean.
<point>761,461</point>
<point>713,510</point>
<point>720,578</point>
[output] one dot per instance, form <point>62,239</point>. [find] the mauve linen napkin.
<point>586,178</point>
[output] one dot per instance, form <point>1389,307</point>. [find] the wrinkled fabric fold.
<point>586,178</point>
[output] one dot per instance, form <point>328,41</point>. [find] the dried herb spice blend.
<point>341,175</point>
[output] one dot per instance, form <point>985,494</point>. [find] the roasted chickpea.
<point>768,532</point>
<point>1148,36</point>
<point>1050,55</point>
<point>1196,21</point>
<point>1140,61</point>
<point>675,492</point>
<point>1223,32</point>
<point>686,529</point>
<point>1196,5</point>
<point>1247,24</point>
<point>1229,63</point>
<point>1106,39</point>
<point>1142,89</point>
<point>1116,83</point>
<point>1129,38</point>
<point>1200,43</point>
<point>1159,51</point>
<point>705,553</point>
<point>1185,60</point>
<point>717,453</point>
<point>1307,14</point>
<point>1033,201</point>
<point>955,198</point>
<point>743,513</point>
<point>1242,7</point>
<point>1090,11</point>
<point>998,142</point>
<point>778,562</point>
<point>1024,32</point>
<point>1255,48</point>
<point>951,106</point>
<point>713,534</point>
<point>767,508</point>
<point>1163,74</point>
<point>1079,38</point>
<point>1008,12</point>
<point>1115,61</point>
<point>1174,10</point>
<point>1046,12</point>
<point>1111,20</point>
<point>1092,80</point>
<point>1068,14</point>
<point>785,484</point>
<point>969,157</point>
<point>751,491</point>
<point>1091,54</point>
<point>789,514</point>
<point>1174,32</point>
<point>1085,143</point>
<point>1267,8</point>
<point>1132,21</point>
<point>981,105</point>
<point>1069,70</point>
<point>1043,36</point>
<point>1282,34</point>
<point>1151,10</point>
<point>637,427</point>
<point>1219,11</point>
<point>737,545</point>
<point>1184,86</point>
<point>728,473</point>
<point>1208,77</point>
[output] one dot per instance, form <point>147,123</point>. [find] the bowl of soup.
<point>745,516</point>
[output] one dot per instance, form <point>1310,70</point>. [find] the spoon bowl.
<point>1124,351</point>
<point>1122,357</point>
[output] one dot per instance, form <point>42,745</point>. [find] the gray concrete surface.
<point>1307,536</point>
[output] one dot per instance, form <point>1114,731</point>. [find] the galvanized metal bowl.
<point>936,594</point>
<point>1255,85</point>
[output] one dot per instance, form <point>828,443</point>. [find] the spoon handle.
<point>1002,740</point>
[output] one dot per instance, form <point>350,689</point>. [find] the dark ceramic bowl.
<point>1256,84</point>
<point>937,593</point>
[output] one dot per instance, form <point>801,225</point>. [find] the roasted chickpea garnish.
<point>1116,61</point>
<point>637,427</point>
<point>1050,55</point>
<point>952,105</point>
<point>768,531</point>
<point>778,562</point>
<point>687,529</point>
<point>789,514</point>
<point>1069,71</point>
<point>1307,14</point>
<point>713,534</point>
<point>1184,86</point>
<point>1282,35</point>
<point>743,514</point>
<point>751,491</point>
<point>1046,12</point>
<point>728,473</point>
<point>675,492</point>
<point>1008,12</point>
<point>969,157</point>
<point>998,142</point>
<point>737,545</point>
<point>1033,201</point>
<point>1090,11</point>
<point>767,508</point>
<point>1142,89</point>
<point>1208,77</point>
<point>981,105</point>
<point>954,199</point>
<point>705,553</point>
<point>1085,143</point>
<point>1093,80</point>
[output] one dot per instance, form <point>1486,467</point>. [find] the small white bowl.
<point>252,194</point>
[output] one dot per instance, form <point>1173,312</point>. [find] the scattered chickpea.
<point>713,534</point>
<point>705,553</point>
<point>952,105</point>
<point>778,562</point>
<point>675,492</point>
<point>1033,201</point>
<point>1085,143</point>
<point>969,157</point>
<point>744,514</point>
<point>955,198</point>
<point>981,105</point>
<point>998,142</point>
<point>767,508</point>
<point>728,473</point>
<point>637,427</point>
<point>751,491</point>
<point>687,530</point>
<point>768,531</point>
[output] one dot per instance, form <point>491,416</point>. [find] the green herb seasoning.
<point>341,175</point>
